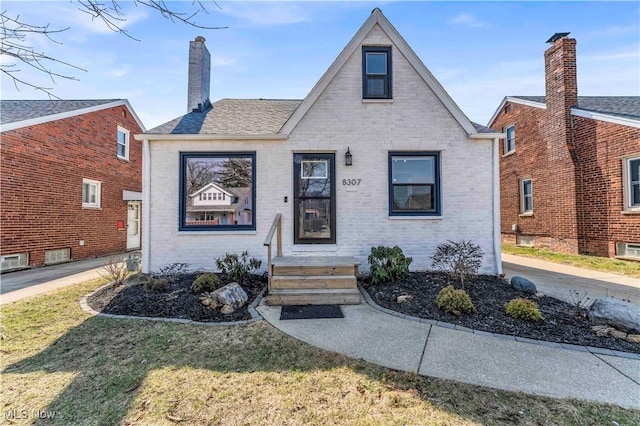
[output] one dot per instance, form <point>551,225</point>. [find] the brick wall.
<point>42,171</point>
<point>415,120</point>
<point>601,148</point>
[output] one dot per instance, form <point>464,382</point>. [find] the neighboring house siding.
<point>43,167</point>
<point>601,149</point>
<point>415,121</point>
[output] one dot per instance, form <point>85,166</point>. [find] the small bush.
<point>156,284</point>
<point>172,272</point>
<point>115,270</point>
<point>206,283</point>
<point>524,309</point>
<point>388,264</point>
<point>460,259</point>
<point>456,302</point>
<point>238,268</point>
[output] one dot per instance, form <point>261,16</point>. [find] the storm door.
<point>314,199</point>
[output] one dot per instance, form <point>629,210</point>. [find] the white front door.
<point>133,226</point>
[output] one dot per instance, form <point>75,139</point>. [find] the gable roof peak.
<point>377,17</point>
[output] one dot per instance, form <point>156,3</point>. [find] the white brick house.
<point>421,172</point>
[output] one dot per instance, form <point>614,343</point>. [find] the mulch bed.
<point>178,301</point>
<point>563,322</point>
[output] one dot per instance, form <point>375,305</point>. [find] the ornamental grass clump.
<point>454,301</point>
<point>206,283</point>
<point>388,264</point>
<point>523,309</point>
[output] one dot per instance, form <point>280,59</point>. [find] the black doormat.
<point>292,312</point>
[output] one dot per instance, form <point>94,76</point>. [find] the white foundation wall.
<point>416,120</point>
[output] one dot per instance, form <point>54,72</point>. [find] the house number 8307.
<point>351,182</point>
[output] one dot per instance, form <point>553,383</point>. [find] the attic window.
<point>507,109</point>
<point>376,72</point>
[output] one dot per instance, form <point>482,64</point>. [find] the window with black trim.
<point>414,183</point>
<point>217,191</point>
<point>526,196</point>
<point>376,72</point>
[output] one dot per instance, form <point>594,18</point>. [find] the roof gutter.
<point>208,137</point>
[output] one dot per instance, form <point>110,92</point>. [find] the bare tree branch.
<point>16,36</point>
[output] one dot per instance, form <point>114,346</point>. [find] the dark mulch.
<point>563,323</point>
<point>176,302</point>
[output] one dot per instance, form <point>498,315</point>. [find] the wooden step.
<point>314,297</point>
<point>314,265</point>
<point>284,282</point>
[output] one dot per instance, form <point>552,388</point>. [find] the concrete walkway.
<point>462,356</point>
<point>560,281</point>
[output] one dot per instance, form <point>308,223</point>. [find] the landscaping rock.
<point>618,334</point>
<point>523,285</point>
<point>622,315</point>
<point>633,338</point>
<point>227,310</point>
<point>602,330</point>
<point>404,298</point>
<point>232,294</point>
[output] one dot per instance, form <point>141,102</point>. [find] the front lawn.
<point>59,362</point>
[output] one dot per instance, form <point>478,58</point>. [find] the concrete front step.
<point>290,282</point>
<point>314,297</point>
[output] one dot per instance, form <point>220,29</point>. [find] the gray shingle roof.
<point>619,106</point>
<point>482,129</point>
<point>20,110</point>
<point>233,117</point>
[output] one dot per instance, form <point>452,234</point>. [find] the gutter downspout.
<point>146,200</point>
<point>496,206</point>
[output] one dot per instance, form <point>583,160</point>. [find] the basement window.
<point>10,262</point>
<point>57,256</point>
<point>628,250</point>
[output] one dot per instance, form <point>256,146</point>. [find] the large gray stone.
<point>619,314</point>
<point>231,294</point>
<point>524,285</point>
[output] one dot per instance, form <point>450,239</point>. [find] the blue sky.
<point>479,51</point>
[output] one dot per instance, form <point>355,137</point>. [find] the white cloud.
<point>468,20</point>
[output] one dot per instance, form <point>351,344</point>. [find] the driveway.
<point>561,281</point>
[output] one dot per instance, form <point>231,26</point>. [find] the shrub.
<point>456,302</point>
<point>115,270</point>
<point>388,264</point>
<point>156,284</point>
<point>524,309</point>
<point>172,272</point>
<point>238,268</point>
<point>460,259</point>
<point>206,283</point>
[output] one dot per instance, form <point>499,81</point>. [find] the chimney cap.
<point>200,39</point>
<point>557,36</point>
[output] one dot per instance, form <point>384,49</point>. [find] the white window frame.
<point>125,132</point>
<point>98,186</point>
<point>627,184</point>
<point>507,140</point>
<point>523,196</point>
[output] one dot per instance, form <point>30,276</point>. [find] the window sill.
<point>635,211</point>
<point>91,207</point>
<point>415,217</point>
<point>217,232</point>
<point>122,158</point>
<point>508,154</point>
<point>377,101</point>
<point>526,214</point>
<point>312,248</point>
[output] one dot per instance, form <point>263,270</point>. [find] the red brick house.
<point>71,180</point>
<point>570,165</point>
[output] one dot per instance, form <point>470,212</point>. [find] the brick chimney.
<point>561,90</point>
<point>561,87</point>
<point>199,76</point>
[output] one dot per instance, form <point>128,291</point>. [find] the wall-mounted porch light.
<point>348,158</point>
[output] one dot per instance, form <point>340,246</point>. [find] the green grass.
<point>603,264</point>
<point>101,371</point>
